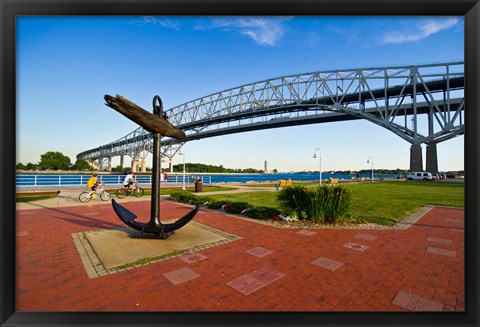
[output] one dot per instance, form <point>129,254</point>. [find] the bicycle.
<point>87,196</point>
<point>137,191</point>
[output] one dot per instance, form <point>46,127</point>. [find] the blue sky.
<point>65,65</point>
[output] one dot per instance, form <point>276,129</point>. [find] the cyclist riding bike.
<point>129,181</point>
<point>93,183</point>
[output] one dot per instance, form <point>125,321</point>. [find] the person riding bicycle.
<point>129,180</point>
<point>93,183</point>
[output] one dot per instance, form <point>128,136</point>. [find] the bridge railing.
<point>273,102</point>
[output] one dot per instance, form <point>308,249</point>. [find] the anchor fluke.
<point>122,212</point>
<point>155,227</point>
<point>180,222</point>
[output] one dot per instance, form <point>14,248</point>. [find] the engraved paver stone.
<point>327,263</point>
<point>355,246</point>
<point>180,276</point>
<point>415,303</point>
<point>259,251</point>
<point>439,240</point>
<point>255,280</point>
<point>245,284</point>
<point>193,257</point>
<point>266,275</point>
<point>447,253</point>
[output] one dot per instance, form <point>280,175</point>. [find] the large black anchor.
<point>157,124</point>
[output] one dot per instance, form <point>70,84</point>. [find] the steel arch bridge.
<point>422,104</point>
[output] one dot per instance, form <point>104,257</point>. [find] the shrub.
<point>294,199</point>
<point>338,204</point>
<point>322,203</point>
<point>262,212</point>
<point>216,205</point>
<point>182,196</point>
<point>199,200</point>
<point>236,207</point>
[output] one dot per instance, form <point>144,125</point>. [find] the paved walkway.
<point>420,268</point>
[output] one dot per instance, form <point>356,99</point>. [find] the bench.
<point>283,183</point>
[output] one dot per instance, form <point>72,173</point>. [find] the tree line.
<point>202,168</point>
<point>54,160</point>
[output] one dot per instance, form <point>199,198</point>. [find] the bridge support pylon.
<point>432,161</point>
<point>416,163</point>
<point>134,165</point>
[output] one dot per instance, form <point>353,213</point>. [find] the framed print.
<point>250,82</point>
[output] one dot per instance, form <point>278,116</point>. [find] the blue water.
<point>46,180</point>
<point>244,178</point>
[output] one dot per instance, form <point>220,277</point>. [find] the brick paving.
<point>419,267</point>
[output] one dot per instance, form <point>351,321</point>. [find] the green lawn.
<point>205,189</point>
<point>390,202</point>
<point>381,203</point>
<point>26,198</point>
<point>167,190</point>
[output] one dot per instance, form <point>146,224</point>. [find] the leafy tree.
<point>54,160</point>
<point>81,164</point>
<point>252,171</point>
<point>118,168</point>
<point>20,166</point>
<point>31,166</point>
<point>202,168</point>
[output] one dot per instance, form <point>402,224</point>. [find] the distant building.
<point>265,168</point>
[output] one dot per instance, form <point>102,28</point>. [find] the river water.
<point>65,180</point>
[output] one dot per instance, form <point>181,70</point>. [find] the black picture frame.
<point>470,9</point>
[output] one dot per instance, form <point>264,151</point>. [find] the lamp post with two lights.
<point>320,164</point>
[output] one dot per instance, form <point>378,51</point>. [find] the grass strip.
<point>31,198</point>
<point>384,203</point>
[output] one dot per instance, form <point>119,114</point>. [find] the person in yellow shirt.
<point>93,182</point>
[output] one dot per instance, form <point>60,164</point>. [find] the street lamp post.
<point>319,163</point>
<point>182,153</point>
<point>368,161</point>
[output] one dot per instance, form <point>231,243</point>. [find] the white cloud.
<point>162,21</point>
<point>420,31</point>
<point>265,31</point>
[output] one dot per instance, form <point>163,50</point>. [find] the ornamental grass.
<point>325,204</point>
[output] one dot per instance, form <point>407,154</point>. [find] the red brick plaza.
<point>419,268</point>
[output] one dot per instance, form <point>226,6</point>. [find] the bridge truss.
<point>423,104</point>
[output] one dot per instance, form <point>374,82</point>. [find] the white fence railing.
<point>63,180</point>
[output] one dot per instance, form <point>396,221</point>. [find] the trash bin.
<point>198,185</point>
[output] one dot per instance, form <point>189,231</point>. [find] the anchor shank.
<point>156,171</point>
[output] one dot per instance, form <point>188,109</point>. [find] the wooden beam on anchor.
<point>150,122</point>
